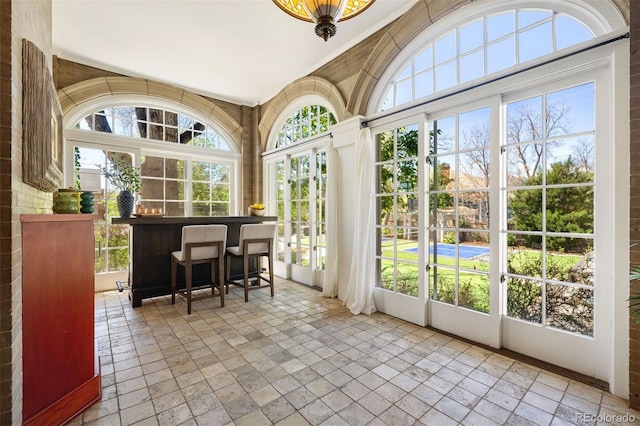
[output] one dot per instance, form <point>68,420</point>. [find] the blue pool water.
<point>449,250</point>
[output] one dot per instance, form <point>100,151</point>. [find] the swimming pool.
<point>449,250</point>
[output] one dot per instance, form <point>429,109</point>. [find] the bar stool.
<point>256,241</point>
<point>200,244</point>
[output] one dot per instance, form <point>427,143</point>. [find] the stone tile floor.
<point>300,359</point>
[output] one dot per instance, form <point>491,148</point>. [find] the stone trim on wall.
<point>304,86</point>
<point>396,38</point>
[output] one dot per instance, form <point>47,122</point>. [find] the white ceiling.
<point>242,51</point>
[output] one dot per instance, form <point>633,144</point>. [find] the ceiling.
<point>241,51</point>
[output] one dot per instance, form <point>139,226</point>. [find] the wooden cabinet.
<point>61,371</point>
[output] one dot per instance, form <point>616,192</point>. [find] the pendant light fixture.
<point>324,13</point>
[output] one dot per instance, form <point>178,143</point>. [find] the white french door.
<point>400,242</point>
<point>461,172</point>
<point>554,239</point>
<point>487,225</point>
<point>296,194</point>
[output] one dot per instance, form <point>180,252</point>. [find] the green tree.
<point>402,145</point>
<point>568,208</point>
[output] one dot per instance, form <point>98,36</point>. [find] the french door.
<point>461,170</point>
<point>400,239</point>
<point>296,194</point>
<point>555,242</point>
<point>487,224</point>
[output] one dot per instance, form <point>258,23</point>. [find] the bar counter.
<point>154,238</point>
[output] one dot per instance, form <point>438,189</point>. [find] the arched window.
<point>496,181</point>
<point>481,47</point>
<point>154,124</point>
<point>188,164</point>
<point>310,120</point>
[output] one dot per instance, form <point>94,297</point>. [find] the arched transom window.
<point>154,124</point>
<point>481,47</point>
<point>310,120</point>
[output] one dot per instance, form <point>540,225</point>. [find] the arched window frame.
<point>293,107</point>
<point>595,17</point>
<point>78,113</point>
<point>231,157</point>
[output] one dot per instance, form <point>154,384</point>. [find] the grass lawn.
<point>473,287</point>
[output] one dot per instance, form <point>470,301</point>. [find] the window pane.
<point>570,32</point>
<point>471,36</point>
<point>407,278</point>
<point>446,135</point>
<point>500,25</point>
<point>424,60</point>
<point>569,210</point>
<point>570,308</point>
<point>174,190</point>
<point>571,110</point>
<point>201,209</point>
<point>446,75</point>
<point>579,152</point>
<point>524,212</point>
<point>153,189</point>
<point>445,48</point>
<point>524,299</point>
<point>570,260</point>
<point>536,42</point>
<point>152,166</point>
<point>175,169</point>
<point>444,281</point>
<point>405,73</point>
<point>424,84</point>
<point>524,120</point>
<point>174,208</point>
<point>471,66</point>
<point>501,55</point>
<point>200,192</point>
<point>528,17</point>
<point>388,102</point>
<point>473,291</point>
<point>474,128</point>
<point>403,92</point>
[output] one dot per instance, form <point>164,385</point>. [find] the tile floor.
<point>301,359</point>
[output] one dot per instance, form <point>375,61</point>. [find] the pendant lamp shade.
<point>324,13</point>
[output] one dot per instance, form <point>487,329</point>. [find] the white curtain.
<point>359,296</point>
<point>330,284</point>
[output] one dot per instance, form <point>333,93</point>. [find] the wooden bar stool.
<point>256,241</point>
<point>200,244</point>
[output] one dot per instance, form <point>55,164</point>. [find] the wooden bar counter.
<point>154,238</point>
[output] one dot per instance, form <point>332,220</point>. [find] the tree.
<point>405,151</point>
<point>568,208</point>
<point>525,124</point>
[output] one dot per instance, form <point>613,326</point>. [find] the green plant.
<point>634,300</point>
<point>449,237</point>
<point>76,166</point>
<point>122,175</point>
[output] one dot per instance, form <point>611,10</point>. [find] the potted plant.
<point>124,176</point>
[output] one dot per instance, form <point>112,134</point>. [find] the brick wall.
<point>634,214</point>
<point>18,20</point>
<point>5,213</point>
